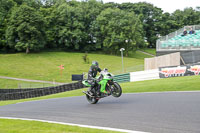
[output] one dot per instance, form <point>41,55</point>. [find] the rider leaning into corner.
<point>94,69</point>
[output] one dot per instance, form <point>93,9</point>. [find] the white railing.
<point>144,75</point>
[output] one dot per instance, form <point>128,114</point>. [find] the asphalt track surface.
<point>170,112</point>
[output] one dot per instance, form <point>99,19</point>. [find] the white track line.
<point>71,124</point>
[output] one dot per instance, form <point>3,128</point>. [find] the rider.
<point>92,74</point>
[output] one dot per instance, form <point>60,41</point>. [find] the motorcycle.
<point>106,85</point>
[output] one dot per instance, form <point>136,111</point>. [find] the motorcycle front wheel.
<point>92,100</point>
<point>116,90</point>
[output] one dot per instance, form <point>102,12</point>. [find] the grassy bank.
<point>21,126</point>
<point>45,66</point>
<point>189,83</point>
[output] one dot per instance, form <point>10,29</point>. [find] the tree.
<point>149,16</point>
<point>86,25</point>
<point>89,10</point>
<point>5,9</point>
<point>188,16</point>
<point>25,29</point>
<point>119,29</point>
<point>166,24</point>
<point>51,25</point>
<point>70,29</point>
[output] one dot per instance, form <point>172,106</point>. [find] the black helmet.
<point>95,64</point>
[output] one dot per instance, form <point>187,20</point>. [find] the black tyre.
<point>116,90</point>
<point>92,100</point>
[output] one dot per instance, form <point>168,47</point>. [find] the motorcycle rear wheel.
<point>92,100</point>
<point>117,90</point>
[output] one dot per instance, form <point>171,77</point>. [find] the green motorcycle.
<point>105,87</point>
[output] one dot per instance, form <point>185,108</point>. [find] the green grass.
<point>189,83</point>
<point>44,66</point>
<point>21,126</point>
<point>149,50</point>
<point>16,84</point>
<point>138,55</point>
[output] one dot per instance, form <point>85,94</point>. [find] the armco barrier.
<point>14,94</point>
<point>122,78</point>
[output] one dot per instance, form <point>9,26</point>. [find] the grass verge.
<point>22,126</point>
<point>188,83</point>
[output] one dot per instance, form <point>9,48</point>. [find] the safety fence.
<point>14,94</point>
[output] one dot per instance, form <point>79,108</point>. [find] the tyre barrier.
<point>15,94</point>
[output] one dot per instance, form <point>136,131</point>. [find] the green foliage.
<point>51,27</point>
<point>188,16</point>
<point>149,15</point>
<point>90,11</point>
<point>119,29</point>
<point>5,8</point>
<point>70,31</point>
<point>91,25</point>
<point>167,25</point>
<point>25,29</point>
